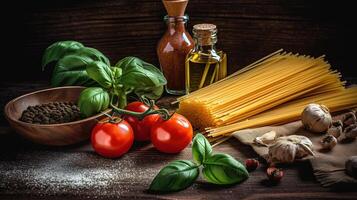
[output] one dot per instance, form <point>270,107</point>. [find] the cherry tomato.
<point>111,139</point>
<point>142,127</point>
<point>173,135</point>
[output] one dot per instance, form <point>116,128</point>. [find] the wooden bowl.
<point>50,134</point>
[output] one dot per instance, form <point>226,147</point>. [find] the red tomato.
<point>141,128</point>
<point>112,140</point>
<point>173,135</point>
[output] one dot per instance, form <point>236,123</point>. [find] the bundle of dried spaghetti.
<point>291,111</point>
<point>265,84</point>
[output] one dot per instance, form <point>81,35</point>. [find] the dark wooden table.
<point>30,171</point>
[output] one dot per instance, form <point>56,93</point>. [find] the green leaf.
<point>176,176</point>
<point>92,53</point>
<point>101,72</point>
<point>156,71</point>
<point>142,77</point>
<point>71,70</point>
<point>58,50</point>
<point>201,148</point>
<point>117,72</point>
<point>117,88</point>
<point>92,101</point>
<point>224,169</point>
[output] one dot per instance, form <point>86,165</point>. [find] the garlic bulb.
<point>288,148</point>
<point>282,151</point>
<point>316,118</point>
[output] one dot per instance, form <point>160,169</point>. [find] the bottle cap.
<point>206,34</point>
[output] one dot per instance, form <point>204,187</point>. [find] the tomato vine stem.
<point>164,113</point>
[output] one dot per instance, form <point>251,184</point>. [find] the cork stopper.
<point>175,8</point>
<point>205,34</point>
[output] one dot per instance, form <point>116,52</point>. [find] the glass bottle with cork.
<point>174,46</point>
<point>204,65</point>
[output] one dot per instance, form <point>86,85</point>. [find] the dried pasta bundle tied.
<point>270,91</point>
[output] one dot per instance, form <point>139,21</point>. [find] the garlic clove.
<point>335,131</point>
<point>328,142</point>
<point>266,138</point>
<point>349,119</point>
<point>349,133</point>
<point>337,123</point>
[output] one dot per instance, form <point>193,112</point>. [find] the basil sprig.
<point>220,169</point>
<point>76,64</point>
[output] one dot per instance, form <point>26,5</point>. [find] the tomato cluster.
<point>113,139</point>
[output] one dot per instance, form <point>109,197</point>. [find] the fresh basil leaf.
<point>224,169</point>
<point>159,75</point>
<point>176,176</point>
<point>201,148</point>
<point>101,72</point>
<point>137,73</point>
<point>142,77</point>
<point>58,50</point>
<point>92,101</point>
<point>71,70</point>
<point>92,53</point>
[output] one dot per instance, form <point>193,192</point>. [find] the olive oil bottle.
<point>204,65</point>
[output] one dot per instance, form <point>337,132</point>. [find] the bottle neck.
<point>206,48</point>
<point>176,23</point>
<point>205,40</point>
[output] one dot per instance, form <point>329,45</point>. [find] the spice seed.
<point>51,113</point>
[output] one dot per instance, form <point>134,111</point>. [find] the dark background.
<point>248,30</point>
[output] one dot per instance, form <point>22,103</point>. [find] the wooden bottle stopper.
<point>175,8</point>
<point>206,34</point>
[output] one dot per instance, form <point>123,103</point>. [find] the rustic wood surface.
<point>248,29</point>
<point>30,171</point>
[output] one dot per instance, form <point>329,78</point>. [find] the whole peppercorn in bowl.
<point>50,116</point>
<point>51,113</point>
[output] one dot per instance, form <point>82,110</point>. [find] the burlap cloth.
<point>328,167</point>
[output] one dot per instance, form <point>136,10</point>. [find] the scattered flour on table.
<point>70,173</point>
